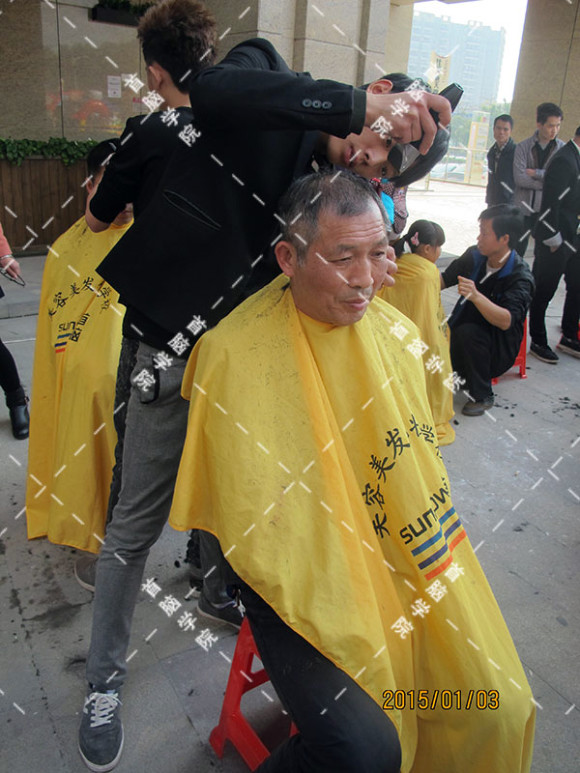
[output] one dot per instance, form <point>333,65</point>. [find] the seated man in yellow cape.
<point>311,454</point>
<point>71,451</point>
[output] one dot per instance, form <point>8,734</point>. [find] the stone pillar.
<point>339,39</point>
<point>30,72</point>
<point>549,65</point>
<point>398,39</point>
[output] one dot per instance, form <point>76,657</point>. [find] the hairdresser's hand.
<point>389,280</point>
<point>404,117</point>
<point>467,288</point>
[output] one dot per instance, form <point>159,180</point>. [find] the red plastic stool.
<point>520,360</point>
<point>233,726</point>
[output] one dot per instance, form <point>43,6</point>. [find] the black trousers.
<point>339,733</point>
<point>9,379</point>
<point>547,270</point>
<point>478,354</point>
<point>529,223</point>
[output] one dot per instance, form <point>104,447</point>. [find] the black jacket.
<point>133,173</point>
<point>210,224</point>
<point>561,197</point>
<point>500,181</point>
<point>512,287</point>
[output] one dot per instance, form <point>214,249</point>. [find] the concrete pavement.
<point>515,482</point>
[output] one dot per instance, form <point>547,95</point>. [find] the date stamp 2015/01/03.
<point>443,699</point>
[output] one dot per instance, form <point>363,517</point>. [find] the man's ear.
<point>156,76</point>
<point>381,86</point>
<point>287,258</point>
<point>505,240</point>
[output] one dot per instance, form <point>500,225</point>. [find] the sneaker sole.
<point>564,348</point>
<point>107,766</point>
<point>83,583</point>
<point>217,619</point>
<point>476,413</point>
<point>543,359</point>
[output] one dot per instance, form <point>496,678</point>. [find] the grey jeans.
<point>154,435</point>
<point>151,437</point>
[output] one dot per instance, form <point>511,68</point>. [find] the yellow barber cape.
<point>311,454</point>
<point>417,293</point>
<point>72,437</point>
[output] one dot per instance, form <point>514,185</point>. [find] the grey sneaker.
<point>85,571</point>
<point>101,731</point>
<point>230,613</point>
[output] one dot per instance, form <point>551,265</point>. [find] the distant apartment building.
<point>475,54</point>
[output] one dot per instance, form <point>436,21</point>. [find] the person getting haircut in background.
<point>417,294</point>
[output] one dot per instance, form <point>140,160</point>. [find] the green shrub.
<point>69,151</point>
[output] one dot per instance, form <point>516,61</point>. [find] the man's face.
<point>549,130</point>
<point>366,153</point>
<point>502,132</point>
<point>488,243</point>
<point>345,266</point>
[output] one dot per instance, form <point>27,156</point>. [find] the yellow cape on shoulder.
<point>417,294</point>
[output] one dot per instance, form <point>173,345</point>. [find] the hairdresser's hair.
<point>548,110</point>
<point>180,35</point>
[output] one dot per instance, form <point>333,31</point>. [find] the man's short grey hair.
<point>342,193</point>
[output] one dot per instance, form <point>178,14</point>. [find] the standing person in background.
<point>16,399</point>
<point>531,158</point>
<point>557,245</point>
<point>500,163</point>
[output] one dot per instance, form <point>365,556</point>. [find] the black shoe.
<point>477,407</point>
<point>230,612</point>
<point>20,421</point>
<point>570,346</point>
<point>544,353</point>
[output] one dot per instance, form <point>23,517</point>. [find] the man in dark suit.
<point>500,163</point>
<point>558,253</point>
<point>199,248</point>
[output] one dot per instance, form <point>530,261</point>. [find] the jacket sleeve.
<point>509,188</point>
<point>462,266</point>
<point>521,177</point>
<point>122,178</point>
<point>252,88</point>
<point>489,187</point>
<point>559,178</point>
<point>518,298</point>
<point>4,246</point>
